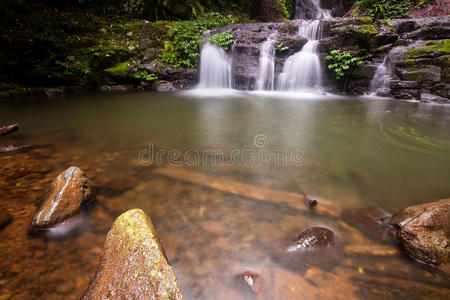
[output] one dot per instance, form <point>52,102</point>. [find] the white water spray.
<point>311,9</point>
<point>381,82</point>
<point>215,68</point>
<point>302,70</point>
<point>266,70</point>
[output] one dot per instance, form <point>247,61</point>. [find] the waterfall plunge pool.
<point>355,153</point>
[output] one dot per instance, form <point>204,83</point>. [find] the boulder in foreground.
<point>69,191</point>
<point>133,264</point>
<point>424,232</point>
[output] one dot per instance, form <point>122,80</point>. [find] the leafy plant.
<point>223,40</point>
<point>342,62</point>
<point>387,9</point>
<point>288,7</point>
<point>144,75</point>
<point>185,39</point>
<point>280,47</point>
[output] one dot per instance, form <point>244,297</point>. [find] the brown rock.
<point>133,264</point>
<point>254,282</point>
<point>424,232</point>
<point>69,191</point>
<point>314,245</point>
<point>5,218</point>
<point>369,220</point>
<point>4,130</point>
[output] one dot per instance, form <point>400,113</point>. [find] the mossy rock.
<point>429,49</point>
<point>134,264</point>
<point>410,76</point>
<point>119,70</point>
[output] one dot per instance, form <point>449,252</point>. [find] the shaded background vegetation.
<point>72,43</point>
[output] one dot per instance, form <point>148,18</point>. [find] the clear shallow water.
<point>355,153</point>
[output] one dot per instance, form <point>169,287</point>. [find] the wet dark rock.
<point>314,245</point>
<point>69,192</point>
<point>372,221</point>
<point>117,88</point>
<point>253,282</point>
<point>165,86</point>
<point>311,202</point>
<point>12,149</point>
<point>428,97</point>
<point>168,72</point>
<point>52,92</point>
<point>424,232</point>
<point>133,264</point>
<point>5,218</point>
<point>312,238</point>
<point>5,130</point>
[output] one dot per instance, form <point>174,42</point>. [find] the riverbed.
<point>351,155</point>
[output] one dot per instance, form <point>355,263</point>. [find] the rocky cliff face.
<point>416,52</point>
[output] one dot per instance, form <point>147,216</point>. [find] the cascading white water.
<point>311,29</point>
<point>381,82</point>
<point>215,68</point>
<point>266,70</point>
<point>302,70</point>
<point>311,9</point>
<point>322,13</point>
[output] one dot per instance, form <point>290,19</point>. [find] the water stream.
<point>266,70</point>
<point>302,70</point>
<point>215,68</point>
<point>381,82</point>
<point>356,153</point>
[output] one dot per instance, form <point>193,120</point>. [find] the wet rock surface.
<point>314,246</point>
<point>249,38</point>
<point>133,264</point>
<point>5,218</point>
<point>228,234</point>
<point>372,221</point>
<point>69,192</point>
<point>424,232</point>
<point>5,130</point>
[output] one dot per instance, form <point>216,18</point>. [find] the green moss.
<point>119,70</point>
<point>368,28</point>
<point>411,76</point>
<point>429,49</point>
<point>364,20</point>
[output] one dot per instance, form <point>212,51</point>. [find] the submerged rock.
<point>314,245</point>
<point>311,239</point>
<point>5,218</point>
<point>69,191</point>
<point>5,130</point>
<point>369,220</point>
<point>424,232</point>
<point>133,264</point>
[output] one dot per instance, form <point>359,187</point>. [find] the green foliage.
<point>223,40</point>
<point>119,70</point>
<point>288,7</point>
<point>185,39</point>
<point>342,62</point>
<point>145,75</point>
<point>387,9</point>
<point>280,47</point>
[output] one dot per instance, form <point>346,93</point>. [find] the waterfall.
<point>381,82</point>
<point>312,29</point>
<point>302,70</point>
<point>215,68</point>
<point>266,70</point>
<point>310,9</point>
